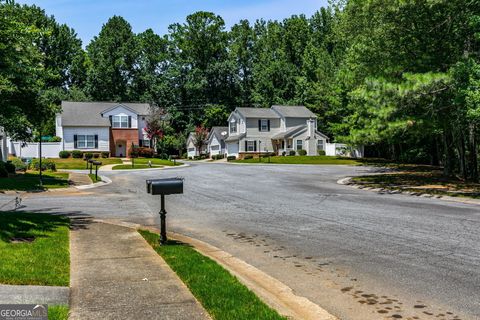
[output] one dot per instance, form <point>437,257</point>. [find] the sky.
<point>88,16</point>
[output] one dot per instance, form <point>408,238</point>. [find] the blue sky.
<point>88,16</point>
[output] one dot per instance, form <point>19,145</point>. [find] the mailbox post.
<point>90,161</point>
<point>164,187</point>
<point>96,164</point>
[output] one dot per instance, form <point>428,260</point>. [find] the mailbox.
<point>96,163</point>
<point>165,186</point>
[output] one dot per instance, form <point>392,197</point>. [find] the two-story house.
<point>278,129</point>
<point>102,126</point>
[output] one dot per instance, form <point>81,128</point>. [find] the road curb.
<point>273,292</point>
<point>349,182</point>
<point>105,181</point>
<point>150,169</point>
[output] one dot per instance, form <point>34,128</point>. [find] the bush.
<point>19,164</point>
<point>248,156</point>
<point>284,153</point>
<point>55,139</point>
<point>322,153</point>
<point>47,164</point>
<point>196,157</point>
<point>96,155</point>
<point>64,154</point>
<point>3,170</point>
<point>77,154</point>
<point>292,153</point>
<point>185,155</point>
<point>10,167</point>
<point>105,154</point>
<point>88,155</point>
<point>302,152</point>
<point>231,158</point>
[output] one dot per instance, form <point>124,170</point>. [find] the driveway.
<point>358,254</point>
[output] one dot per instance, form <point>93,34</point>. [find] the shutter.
<point>96,141</point>
<point>268,121</point>
<point>255,145</point>
<point>129,121</point>
<point>140,143</point>
<point>75,143</point>
<point>259,125</point>
<point>246,146</point>
<point>111,121</point>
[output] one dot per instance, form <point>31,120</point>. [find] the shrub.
<point>88,155</point>
<point>47,164</point>
<point>185,155</point>
<point>64,154</point>
<point>302,152</point>
<point>3,170</point>
<point>19,164</point>
<point>231,158</point>
<point>284,153</point>
<point>291,153</point>
<point>77,154</point>
<point>196,157</point>
<point>322,153</point>
<point>55,139</point>
<point>248,156</point>
<point>96,155</point>
<point>105,154</point>
<point>10,167</point>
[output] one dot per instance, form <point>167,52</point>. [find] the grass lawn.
<point>136,166</point>
<point>156,161</point>
<point>92,177</point>
<point>302,160</point>
<point>220,293</point>
<point>80,164</point>
<point>421,179</point>
<point>34,249</point>
<point>58,312</point>
<point>29,181</point>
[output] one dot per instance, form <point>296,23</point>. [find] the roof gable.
<point>294,111</point>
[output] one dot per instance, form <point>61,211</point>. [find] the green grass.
<point>59,312</point>
<point>29,181</point>
<point>74,164</point>
<point>136,166</point>
<point>156,161</point>
<point>220,293</point>
<point>34,249</point>
<point>92,177</point>
<point>303,160</point>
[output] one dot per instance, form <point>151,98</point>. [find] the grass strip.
<point>136,166</point>
<point>220,293</point>
<point>155,161</point>
<point>34,249</point>
<point>59,312</point>
<point>92,177</point>
<point>80,164</point>
<point>30,181</point>
<point>302,160</point>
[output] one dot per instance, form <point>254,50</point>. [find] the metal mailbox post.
<point>164,187</point>
<point>96,164</point>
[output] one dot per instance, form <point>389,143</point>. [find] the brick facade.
<point>120,137</point>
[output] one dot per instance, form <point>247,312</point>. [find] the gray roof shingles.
<point>294,111</point>
<point>258,113</point>
<point>89,114</point>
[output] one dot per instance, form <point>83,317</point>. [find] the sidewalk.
<point>115,274</point>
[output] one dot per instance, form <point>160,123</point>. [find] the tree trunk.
<point>473,152</point>
<point>448,151</point>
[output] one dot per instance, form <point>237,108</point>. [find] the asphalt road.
<point>358,254</point>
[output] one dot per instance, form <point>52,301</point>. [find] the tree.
<point>199,137</point>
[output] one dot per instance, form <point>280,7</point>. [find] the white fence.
<point>342,150</point>
<point>32,149</point>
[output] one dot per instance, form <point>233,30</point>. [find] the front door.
<point>121,149</point>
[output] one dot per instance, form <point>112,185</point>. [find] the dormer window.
<point>120,122</point>
<point>233,126</point>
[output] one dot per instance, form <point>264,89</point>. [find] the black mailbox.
<point>96,163</point>
<point>164,187</point>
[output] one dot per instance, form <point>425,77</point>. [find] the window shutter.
<point>255,145</point>
<point>129,121</point>
<point>246,145</point>
<point>75,141</point>
<point>111,120</point>
<point>268,121</point>
<point>96,141</point>
<point>259,125</point>
<point>140,143</point>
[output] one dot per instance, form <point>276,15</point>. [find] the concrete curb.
<point>273,292</point>
<point>105,181</point>
<point>20,294</point>
<point>349,182</point>
<point>151,169</point>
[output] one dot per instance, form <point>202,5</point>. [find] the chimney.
<point>311,128</point>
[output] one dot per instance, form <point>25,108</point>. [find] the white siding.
<point>102,132</point>
<point>232,149</point>
<point>142,123</point>
<point>58,126</point>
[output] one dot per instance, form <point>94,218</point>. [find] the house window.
<point>146,143</point>
<point>264,127</point>
<point>289,144</point>
<point>320,145</point>
<point>214,148</point>
<point>299,145</point>
<point>251,146</point>
<point>233,127</point>
<point>85,141</point>
<point>120,121</point>
<point>191,149</point>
